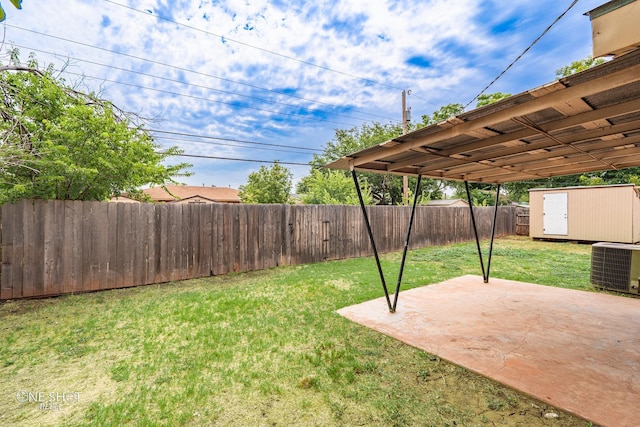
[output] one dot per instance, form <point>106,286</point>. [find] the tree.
<point>385,189</point>
<point>268,185</point>
<point>59,143</point>
<point>442,114</point>
<point>480,193</point>
<point>356,139</point>
<point>486,99</point>
<point>16,3</point>
<point>577,66</point>
<point>334,188</point>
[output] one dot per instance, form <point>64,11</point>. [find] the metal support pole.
<point>493,233</point>
<point>373,243</point>
<point>406,243</point>
<point>475,228</point>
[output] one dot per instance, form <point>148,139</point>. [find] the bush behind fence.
<point>58,247</point>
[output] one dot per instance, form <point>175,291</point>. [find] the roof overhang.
<point>586,122</point>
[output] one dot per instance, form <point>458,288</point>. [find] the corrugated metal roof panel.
<point>569,126</point>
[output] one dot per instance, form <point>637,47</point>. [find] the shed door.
<point>554,220</point>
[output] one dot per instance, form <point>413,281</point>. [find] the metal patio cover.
<point>586,122</point>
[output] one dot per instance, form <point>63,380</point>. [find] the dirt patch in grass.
<point>56,392</point>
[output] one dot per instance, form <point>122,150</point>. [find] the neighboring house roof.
<point>182,192</point>
<point>448,203</point>
<point>123,199</point>
<point>195,199</point>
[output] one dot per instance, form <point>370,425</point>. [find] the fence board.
<point>184,240</point>
<point>205,229</point>
<point>122,244</point>
<point>111,267</point>
<point>49,249</point>
<point>148,215</point>
<point>27,241</point>
<point>18,249</point>
<point>173,254</point>
<point>7,230</point>
<point>85,246</point>
<point>268,232</point>
<point>223,239</point>
<point>139,239</point>
<point>58,278</point>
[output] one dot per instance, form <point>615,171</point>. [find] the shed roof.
<point>590,187</point>
<point>586,122</point>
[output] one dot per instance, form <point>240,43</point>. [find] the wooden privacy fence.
<point>59,247</point>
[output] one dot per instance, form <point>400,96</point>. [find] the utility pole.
<point>405,119</point>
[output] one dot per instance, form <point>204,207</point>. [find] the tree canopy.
<point>441,114</point>
<point>16,3</point>
<point>384,189</point>
<point>333,187</point>
<point>577,66</point>
<point>268,185</point>
<point>486,99</point>
<point>59,143</point>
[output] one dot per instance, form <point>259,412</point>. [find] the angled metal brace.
<point>416,195</point>
<point>373,242</point>
<point>392,307</point>
<point>485,273</point>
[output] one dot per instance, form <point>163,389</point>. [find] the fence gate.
<point>522,221</point>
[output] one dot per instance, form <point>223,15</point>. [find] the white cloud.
<point>373,40</point>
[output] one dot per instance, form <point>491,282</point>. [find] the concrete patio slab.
<point>578,351</point>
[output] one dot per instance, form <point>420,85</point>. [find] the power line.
<point>224,38</point>
<point>209,87</point>
<point>192,135</point>
<point>150,61</point>
<point>229,139</point>
<point>169,138</point>
<point>524,52</point>
<point>231,104</point>
<point>234,159</point>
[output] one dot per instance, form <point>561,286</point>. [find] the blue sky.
<point>273,80</point>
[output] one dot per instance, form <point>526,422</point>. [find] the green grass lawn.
<point>261,348</point>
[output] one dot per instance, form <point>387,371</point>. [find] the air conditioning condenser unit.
<point>616,267</point>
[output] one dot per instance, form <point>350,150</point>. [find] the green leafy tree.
<point>267,185</point>
<point>442,114</point>
<point>356,139</point>
<point>16,3</point>
<point>481,194</point>
<point>577,66</point>
<point>58,143</point>
<point>486,99</point>
<point>333,187</point>
<point>385,189</point>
